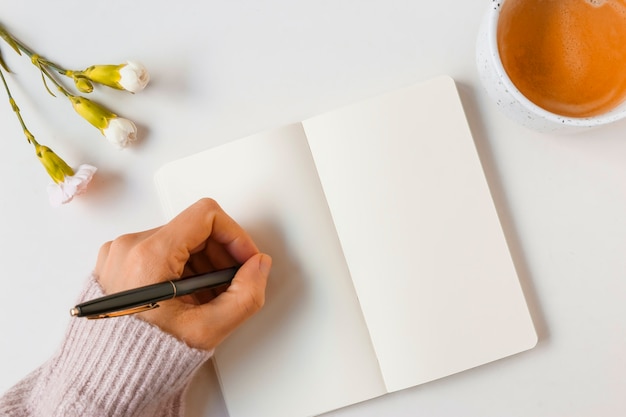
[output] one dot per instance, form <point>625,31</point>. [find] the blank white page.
<point>307,351</point>
<point>420,233</point>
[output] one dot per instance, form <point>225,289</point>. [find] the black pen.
<point>146,298</point>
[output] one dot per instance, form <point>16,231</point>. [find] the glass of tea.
<point>555,65</point>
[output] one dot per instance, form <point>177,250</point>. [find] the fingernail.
<point>265,264</point>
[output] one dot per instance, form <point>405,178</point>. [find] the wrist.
<point>121,365</point>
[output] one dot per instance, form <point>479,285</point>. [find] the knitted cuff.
<point>121,366</point>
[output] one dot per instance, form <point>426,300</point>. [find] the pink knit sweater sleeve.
<point>112,367</point>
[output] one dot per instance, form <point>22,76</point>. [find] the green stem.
<point>44,65</point>
<point>30,53</point>
<point>59,86</point>
<point>29,136</point>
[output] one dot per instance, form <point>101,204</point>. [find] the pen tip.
<point>74,312</point>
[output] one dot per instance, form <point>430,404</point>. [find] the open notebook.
<point>390,265</point>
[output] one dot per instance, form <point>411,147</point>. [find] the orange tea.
<point>566,56</point>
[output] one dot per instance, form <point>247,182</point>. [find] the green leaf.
<point>3,64</point>
<point>43,78</point>
<point>9,39</point>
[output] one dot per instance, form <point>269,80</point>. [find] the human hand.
<point>201,239</point>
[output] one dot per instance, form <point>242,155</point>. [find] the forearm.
<point>111,367</point>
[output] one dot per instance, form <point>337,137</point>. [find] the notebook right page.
<point>420,233</point>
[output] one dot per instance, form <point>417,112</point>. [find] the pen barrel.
<point>204,281</point>
<point>139,298</point>
<point>127,299</point>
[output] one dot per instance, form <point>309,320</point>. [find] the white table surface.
<point>225,69</point>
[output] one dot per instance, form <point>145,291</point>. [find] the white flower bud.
<point>133,77</point>
<point>120,132</point>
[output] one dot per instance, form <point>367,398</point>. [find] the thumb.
<point>249,283</point>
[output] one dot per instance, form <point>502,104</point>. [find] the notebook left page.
<point>308,350</point>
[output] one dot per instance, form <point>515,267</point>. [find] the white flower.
<point>120,132</point>
<point>130,76</point>
<point>133,77</point>
<point>73,185</point>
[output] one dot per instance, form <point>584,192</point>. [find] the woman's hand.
<point>201,239</point>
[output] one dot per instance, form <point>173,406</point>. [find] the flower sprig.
<point>130,76</point>
<point>67,182</point>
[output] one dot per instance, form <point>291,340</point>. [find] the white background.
<point>225,69</point>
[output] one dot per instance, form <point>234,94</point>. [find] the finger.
<point>120,246</point>
<point>103,255</point>
<point>218,255</point>
<point>190,229</point>
<point>244,297</point>
<point>212,257</point>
